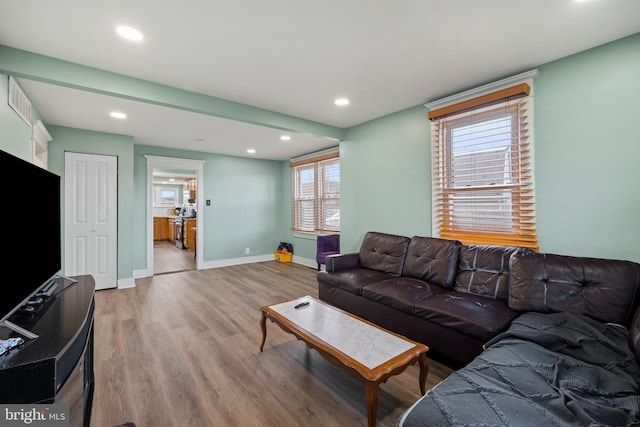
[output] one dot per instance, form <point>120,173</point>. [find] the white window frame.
<point>449,103</point>
<point>160,202</point>
<point>319,198</point>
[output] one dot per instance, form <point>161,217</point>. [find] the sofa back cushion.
<point>432,260</point>
<point>383,252</point>
<point>607,290</point>
<point>484,270</point>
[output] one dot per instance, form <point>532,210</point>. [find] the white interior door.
<point>91,229</point>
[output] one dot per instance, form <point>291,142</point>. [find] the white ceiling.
<point>295,57</point>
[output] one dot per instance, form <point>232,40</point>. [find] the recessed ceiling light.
<point>285,138</point>
<point>341,102</point>
<point>251,151</point>
<point>118,115</point>
<point>129,33</point>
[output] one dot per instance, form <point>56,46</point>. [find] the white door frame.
<point>175,163</point>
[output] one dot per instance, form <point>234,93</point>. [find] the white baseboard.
<point>259,258</point>
<point>140,274</point>
<point>305,261</point>
<point>235,261</point>
<point>126,283</point>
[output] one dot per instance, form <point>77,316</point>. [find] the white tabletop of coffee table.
<point>367,344</point>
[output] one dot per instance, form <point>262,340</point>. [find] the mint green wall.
<point>246,204</point>
<point>587,152</point>
<point>88,142</point>
<point>50,70</point>
<point>385,181</point>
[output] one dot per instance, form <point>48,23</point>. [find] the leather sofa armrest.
<point>342,262</point>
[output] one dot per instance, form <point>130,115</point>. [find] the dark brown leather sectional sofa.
<point>455,297</point>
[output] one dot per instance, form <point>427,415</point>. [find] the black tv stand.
<point>33,305</point>
<point>47,290</point>
<point>56,366</point>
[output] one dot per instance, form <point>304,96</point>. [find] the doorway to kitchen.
<point>174,232</point>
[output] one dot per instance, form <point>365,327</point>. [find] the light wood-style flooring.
<point>182,349</point>
<point>167,258</point>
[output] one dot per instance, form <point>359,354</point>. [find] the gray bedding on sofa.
<point>546,369</point>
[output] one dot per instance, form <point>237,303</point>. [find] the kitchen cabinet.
<point>189,192</point>
<point>156,228</point>
<point>190,234</point>
<point>171,230</point>
<point>190,184</point>
<point>160,229</point>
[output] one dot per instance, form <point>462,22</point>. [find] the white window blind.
<point>482,177</point>
<point>316,194</point>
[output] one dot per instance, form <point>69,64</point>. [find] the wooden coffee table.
<point>364,349</point>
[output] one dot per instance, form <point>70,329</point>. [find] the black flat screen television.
<point>32,253</point>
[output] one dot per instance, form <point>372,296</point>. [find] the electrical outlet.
<point>247,251</point>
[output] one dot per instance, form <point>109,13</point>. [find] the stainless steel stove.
<point>179,232</point>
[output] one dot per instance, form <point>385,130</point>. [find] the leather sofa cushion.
<point>607,290</point>
<point>474,315</point>
<point>383,252</point>
<point>484,270</point>
<point>432,260</point>
<point>401,293</point>
<point>351,280</point>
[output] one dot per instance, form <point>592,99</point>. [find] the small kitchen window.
<point>165,197</point>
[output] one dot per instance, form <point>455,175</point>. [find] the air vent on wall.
<point>19,101</point>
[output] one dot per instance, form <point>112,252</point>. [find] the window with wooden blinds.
<point>316,194</point>
<point>482,170</point>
